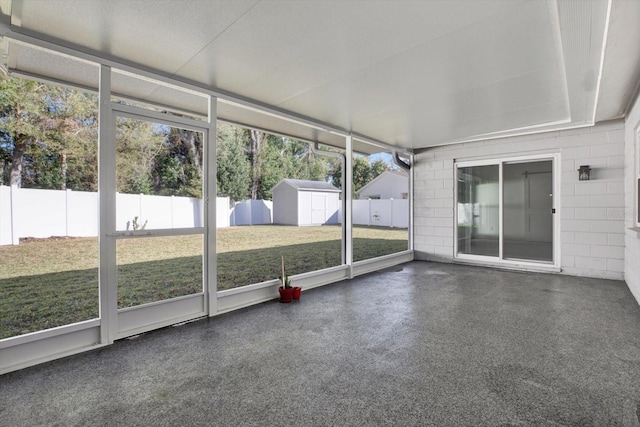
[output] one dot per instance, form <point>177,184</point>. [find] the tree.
<point>305,163</point>
<point>137,146</point>
<point>48,135</point>
<point>361,173</point>
<point>277,165</point>
<point>233,166</point>
<point>334,174</point>
<point>289,158</point>
<point>178,164</point>
<point>256,156</point>
<point>377,168</point>
<point>364,171</point>
<point>23,114</point>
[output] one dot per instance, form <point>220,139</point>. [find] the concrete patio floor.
<point>419,344</point>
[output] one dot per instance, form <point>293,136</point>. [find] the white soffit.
<point>408,73</point>
<point>621,70</point>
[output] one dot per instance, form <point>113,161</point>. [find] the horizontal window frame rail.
<point>49,333</point>
<point>137,113</point>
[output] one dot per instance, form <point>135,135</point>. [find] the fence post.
<point>235,216</point>
<point>140,204</point>
<point>13,196</point>
<point>391,211</point>
<point>369,208</point>
<point>67,196</point>
<point>172,207</point>
<point>5,213</point>
<point>3,209</point>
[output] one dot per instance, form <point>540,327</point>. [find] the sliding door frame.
<point>500,260</point>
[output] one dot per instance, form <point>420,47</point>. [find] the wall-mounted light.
<point>584,173</point>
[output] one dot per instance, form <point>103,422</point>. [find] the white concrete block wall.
<point>631,238</point>
<point>592,212</point>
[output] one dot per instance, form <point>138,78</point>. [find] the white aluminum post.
<point>348,190</point>
<point>410,197</point>
<point>556,218</point>
<point>107,211</point>
<point>500,212</point>
<point>210,198</point>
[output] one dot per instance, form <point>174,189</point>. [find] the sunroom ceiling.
<point>408,73</point>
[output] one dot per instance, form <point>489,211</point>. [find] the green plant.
<point>287,282</point>
<point>136,225</point>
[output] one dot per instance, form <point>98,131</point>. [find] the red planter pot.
<point>285,294</point>
<point>297,290</point>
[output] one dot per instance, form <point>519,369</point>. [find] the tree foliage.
<point>364,171</point>
<point>178,165</point>
<point>158,159</point>
<point>48,136</point>
<point>233,167</point>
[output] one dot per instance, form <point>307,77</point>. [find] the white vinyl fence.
<point>27,212</point>
<point>381,212</point>
<point>252,212</point>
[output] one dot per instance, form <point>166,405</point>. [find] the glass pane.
<point>158,176</point>
<point>380,206</point>
<point>156,268</point>
<point>276,197</point>
<point>478,210</point>
<point>46,283</point>
<point>528,221</point>
<point>48,206</point>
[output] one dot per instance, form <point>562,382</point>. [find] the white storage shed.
<point>301,202</point>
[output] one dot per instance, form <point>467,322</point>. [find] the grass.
<point>52,282</point>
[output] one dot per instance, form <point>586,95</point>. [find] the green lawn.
<point>52,282</point>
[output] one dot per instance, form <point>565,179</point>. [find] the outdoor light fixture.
<point>584,173</point>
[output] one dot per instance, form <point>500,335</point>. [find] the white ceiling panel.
<point>161,34</point>
<point>490,74</point>
<point>409,73</point>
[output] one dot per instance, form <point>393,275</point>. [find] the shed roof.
<point>302,184</point>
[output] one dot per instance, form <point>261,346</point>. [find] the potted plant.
<point>286,291</point>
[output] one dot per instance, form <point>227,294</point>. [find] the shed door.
<point>318,208</point>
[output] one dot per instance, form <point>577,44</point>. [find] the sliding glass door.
<point>527,211</point>
<point>478,210</point>
<point>505,210</point>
